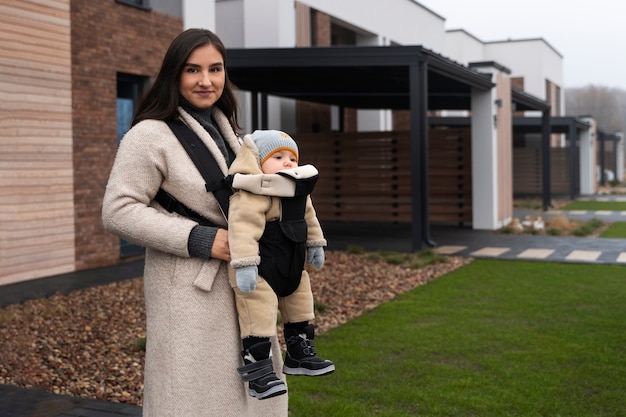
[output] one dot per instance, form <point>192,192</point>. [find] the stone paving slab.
<point>536,253</point>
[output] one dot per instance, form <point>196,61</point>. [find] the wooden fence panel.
<point>527,171</point>
<point>450,175</point>
<point>366,176</point>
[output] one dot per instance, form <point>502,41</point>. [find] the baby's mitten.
<point>246,277</point>
<point>315,257</point>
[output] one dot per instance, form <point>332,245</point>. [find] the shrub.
<point>554,232</point>
<point>560,223</point>
<point>587,228</point>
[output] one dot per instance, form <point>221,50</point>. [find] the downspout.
<point>614,140</point>
<point>573,160</point>
<point>602,138</point>
<point>419,72</point>
<point>424,128</point>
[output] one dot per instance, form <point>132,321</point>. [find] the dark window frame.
<point>138,4</point>
<point>130,87</point>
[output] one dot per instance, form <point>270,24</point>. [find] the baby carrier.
<point>282,246</point>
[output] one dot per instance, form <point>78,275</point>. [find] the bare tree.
<point>606,105</point>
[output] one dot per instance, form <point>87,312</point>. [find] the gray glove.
<point>315,257</point>
<point>246,277</point>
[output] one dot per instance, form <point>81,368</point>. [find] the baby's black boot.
<point>301,358</point>
<point>258,369</point>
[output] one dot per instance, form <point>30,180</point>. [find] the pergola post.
<point>545,159</point>
<point>417,137</point>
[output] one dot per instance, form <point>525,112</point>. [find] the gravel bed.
<point>85,344</point>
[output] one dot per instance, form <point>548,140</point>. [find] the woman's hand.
<point>220,249</point>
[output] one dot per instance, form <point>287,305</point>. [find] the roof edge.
<point>494,64</point>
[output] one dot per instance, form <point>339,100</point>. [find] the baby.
<point>271,239</point>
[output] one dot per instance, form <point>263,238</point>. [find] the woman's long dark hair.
<point>161,101</point>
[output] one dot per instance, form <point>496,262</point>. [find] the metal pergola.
<point>394,77</point>
<point>571,127</point>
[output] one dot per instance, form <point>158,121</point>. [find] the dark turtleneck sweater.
<point>205,118</point>
<point>201,238</point>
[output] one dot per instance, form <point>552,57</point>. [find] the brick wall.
<point>107,38</point>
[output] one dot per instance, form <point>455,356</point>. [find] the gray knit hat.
<point>270,141</point>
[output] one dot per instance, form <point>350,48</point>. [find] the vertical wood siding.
<point>36,179</point>
<point>505,149</point>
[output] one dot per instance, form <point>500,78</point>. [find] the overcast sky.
<point>590,35</point>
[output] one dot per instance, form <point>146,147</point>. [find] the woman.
<point>193,340</point>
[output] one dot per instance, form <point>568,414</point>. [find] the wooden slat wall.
<point>560,171</point>
<point>609,157</point>
<point>450,175</point>
<point>362,175</point>
<point>367,176</point>
<point>527,171</point>
<point>36,176</point>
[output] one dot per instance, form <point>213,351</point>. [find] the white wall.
<point>256,24</point>
<point>269,23</point>
<point>587,148</point>
<point>463,47</point>
<point>198,14</point>
<point>244,23</point>
<point>404,22</point>
<point>229,25</point>
<point>533,59</point>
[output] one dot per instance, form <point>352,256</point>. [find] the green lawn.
<point>615,230</point>
<point>494,338</point>
<point>596,205</point>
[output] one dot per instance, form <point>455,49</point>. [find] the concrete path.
<point>463,241</point>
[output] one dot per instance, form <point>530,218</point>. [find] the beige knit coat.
<point>193,345</point>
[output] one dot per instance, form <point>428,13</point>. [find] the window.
<point>140,4</point>
<point>129,90</point>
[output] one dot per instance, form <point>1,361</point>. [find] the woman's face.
<point>203,77</point>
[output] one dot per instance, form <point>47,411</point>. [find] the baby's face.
<point>279,160</point>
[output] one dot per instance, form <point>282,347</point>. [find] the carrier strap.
<point>205,163</point>
<point>169,203</point>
